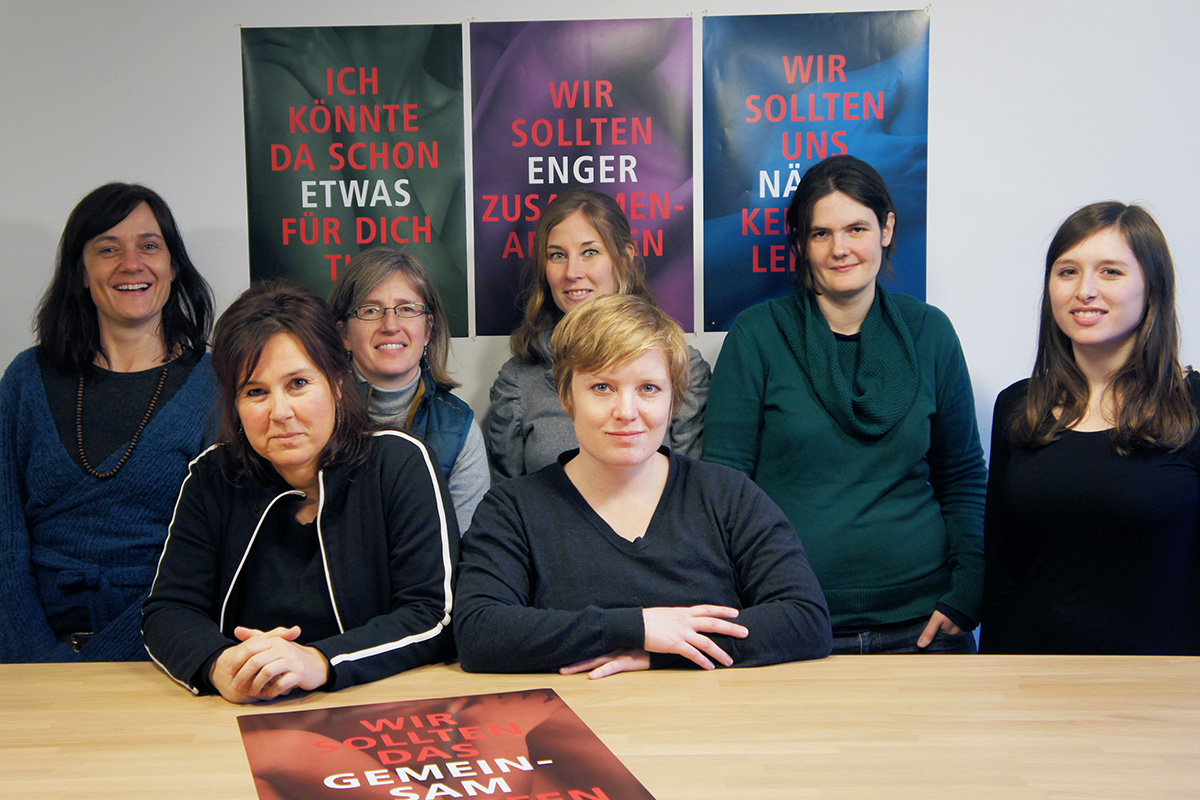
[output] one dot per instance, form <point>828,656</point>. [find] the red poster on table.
<point>510,746</point>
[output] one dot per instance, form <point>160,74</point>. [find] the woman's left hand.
<point>270,664</point>
<point>937,622</point>
<point>610,664</point>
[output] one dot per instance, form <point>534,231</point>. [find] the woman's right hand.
<point>221,677</point>
<point>610,664</point>
<point>682,631</point>
<point>267,665</point>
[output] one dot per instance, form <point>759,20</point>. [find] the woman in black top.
<point>305,551</point>
<point>1093,507</point>
<point>624,555</point>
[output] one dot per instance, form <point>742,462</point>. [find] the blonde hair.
<point>611,331</point>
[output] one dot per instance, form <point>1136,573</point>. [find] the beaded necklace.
<point>132,442</point>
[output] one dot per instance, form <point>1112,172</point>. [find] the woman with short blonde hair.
<point>618,331</point>
<point>583,249</point>
<point>624,555</point>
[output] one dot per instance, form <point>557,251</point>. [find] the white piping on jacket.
<point>447,566</point>
<point>337,615</point>
<point>158,567</point>
<point>378,649</point>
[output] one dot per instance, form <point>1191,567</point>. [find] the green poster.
<point>354,139</point>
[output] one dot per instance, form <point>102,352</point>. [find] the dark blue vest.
<point>442,421</point>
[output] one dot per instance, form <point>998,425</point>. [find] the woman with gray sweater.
<point>583,248</point>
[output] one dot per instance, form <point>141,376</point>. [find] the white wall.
<point>1036,108</point>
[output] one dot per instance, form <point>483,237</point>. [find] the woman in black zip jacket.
<point>306,550</point>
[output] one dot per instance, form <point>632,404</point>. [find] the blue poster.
<point>780,94</point>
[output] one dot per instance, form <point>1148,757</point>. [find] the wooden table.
<point>845,727</point>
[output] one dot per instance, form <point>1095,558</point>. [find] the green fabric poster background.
<point>354,138</point>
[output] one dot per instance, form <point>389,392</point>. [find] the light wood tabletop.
<point>843,727</point>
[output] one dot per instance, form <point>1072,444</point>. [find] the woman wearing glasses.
<point>394,327</point>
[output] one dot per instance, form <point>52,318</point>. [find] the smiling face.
<point>288,410</point>
<point>387,351</point>
<point>621,414</point>
<point>578,264</point>
<point>1098,294</point>
<point>128,271</point>
<point>845,248</point>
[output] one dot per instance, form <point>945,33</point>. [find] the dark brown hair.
<point>1153,407</point>
<point>67,325</point>
<point>605,215</point>
<point>854,178</point>
<point>261,312</point>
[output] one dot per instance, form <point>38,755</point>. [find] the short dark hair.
<point>854,178</point>
<point>264,310</point>
<point>67,326</point>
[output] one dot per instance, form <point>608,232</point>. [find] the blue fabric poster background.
<point>783,92</point>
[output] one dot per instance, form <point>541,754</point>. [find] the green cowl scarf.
<point>869,396</point>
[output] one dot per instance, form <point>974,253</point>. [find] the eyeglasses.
<point>403,311</point>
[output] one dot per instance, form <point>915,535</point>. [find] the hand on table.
<point>682,631</point>
<point>267,665</point>
<point>610,664</point>
<point>669,630</point>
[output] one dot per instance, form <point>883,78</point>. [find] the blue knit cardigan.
<point>69,540</point>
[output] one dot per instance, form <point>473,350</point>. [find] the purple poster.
<point>606,104</point>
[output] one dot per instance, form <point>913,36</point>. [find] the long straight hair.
<point>629,272</point>
<point>1153,407</point>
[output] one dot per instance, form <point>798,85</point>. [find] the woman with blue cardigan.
<point>851,406</point>
<point>97,425</point>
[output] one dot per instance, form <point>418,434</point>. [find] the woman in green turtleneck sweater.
<point>852,408</point>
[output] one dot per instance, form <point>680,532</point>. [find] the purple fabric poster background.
<point>601,103</point>
<point>780,94</point>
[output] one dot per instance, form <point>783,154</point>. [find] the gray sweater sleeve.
<point>470,478</point>
<point>686,435</point>
<point>505,433</point>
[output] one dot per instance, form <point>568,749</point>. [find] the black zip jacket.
<point>388,540</point>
